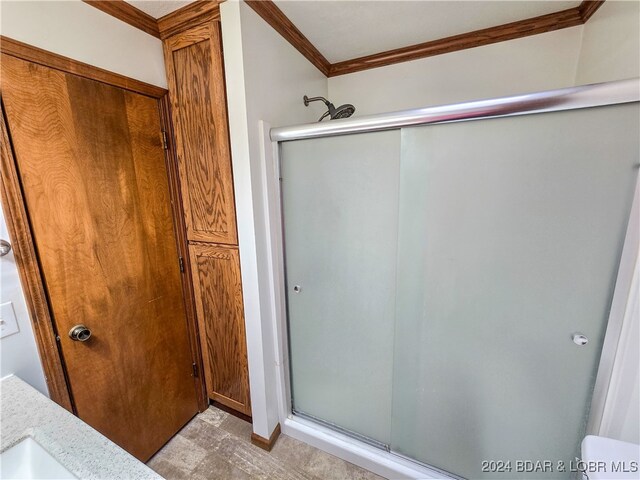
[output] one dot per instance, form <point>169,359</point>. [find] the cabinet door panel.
<point>218,288</point>
<point>196,85</point>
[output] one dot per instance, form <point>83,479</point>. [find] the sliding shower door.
<point>437,277</point>
<point>510,235</point>
<point>340,205</point>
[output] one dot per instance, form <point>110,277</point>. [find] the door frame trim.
<point>180,229</point>
<point>27,52</point>
<point>28,266</point>
<point>617,322</point>
<point>19,226</point>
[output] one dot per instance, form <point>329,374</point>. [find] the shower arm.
<point>315,99</point>
<point>329,105</point>
<point>343,111</point>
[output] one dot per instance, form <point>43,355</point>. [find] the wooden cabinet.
<point>218,288</point>
<point>196,87</point>
<point>195,74</point>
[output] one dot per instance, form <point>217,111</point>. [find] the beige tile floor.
<point>216,445</point>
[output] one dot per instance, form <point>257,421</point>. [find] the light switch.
<point>8,321</point>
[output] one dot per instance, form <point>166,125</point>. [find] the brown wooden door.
<point>218,288</point>
<point>92,168</point>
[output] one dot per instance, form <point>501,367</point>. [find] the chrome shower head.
<point>343,111</point>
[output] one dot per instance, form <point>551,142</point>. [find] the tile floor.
<point>216,445</point>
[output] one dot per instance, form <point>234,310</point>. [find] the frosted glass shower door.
<point>340,209</point>
<point>510,234</point>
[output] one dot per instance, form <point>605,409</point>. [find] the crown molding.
<point>271,14</point>
<point>127,13</point>
<point>205,10</point>
<point>509,31</point>
<point>192,14</point>
<point>588,8</point>
<point>188,16</point>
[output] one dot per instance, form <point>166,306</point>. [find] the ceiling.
<point>347,29</point>
<point>159,8</point>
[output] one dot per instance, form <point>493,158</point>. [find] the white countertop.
<point>82,450</point>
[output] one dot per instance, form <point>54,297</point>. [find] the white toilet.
<point>608,459</point>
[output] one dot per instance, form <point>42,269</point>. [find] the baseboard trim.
<point>230,410</point>
<point>263,443</point>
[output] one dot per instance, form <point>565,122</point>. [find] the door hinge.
<point>181,262</point>
<point>165,140</point>
<point>195,370</point>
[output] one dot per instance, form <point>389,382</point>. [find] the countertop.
<point>82,450</point>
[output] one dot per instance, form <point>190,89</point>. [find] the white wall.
<point>18,352</point>
<point>539,62</point>
<point>76,30</point>
<point>79,31</point>
<point>611,43</point>
<point>266,80</point>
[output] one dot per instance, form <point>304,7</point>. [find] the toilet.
<point>608,459</point>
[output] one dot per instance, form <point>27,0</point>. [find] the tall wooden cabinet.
<point>195,72</point>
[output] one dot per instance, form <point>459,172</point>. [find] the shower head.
<point>343,111</point>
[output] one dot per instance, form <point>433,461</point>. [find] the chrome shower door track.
<point>586,96</point>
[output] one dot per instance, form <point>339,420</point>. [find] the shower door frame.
<point>382,462</point>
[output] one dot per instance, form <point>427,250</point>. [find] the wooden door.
<point>218,288</point>
<point>91,163</point>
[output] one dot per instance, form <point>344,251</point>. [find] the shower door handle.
<point>580,339</point>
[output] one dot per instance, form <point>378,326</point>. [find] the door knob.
<point>80,333</point>
<point>5,248</point>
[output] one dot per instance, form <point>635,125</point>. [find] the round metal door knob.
<point>580,339</point>
<point>5,248</point>
<point>80,333</point>
<point>297,288</point>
